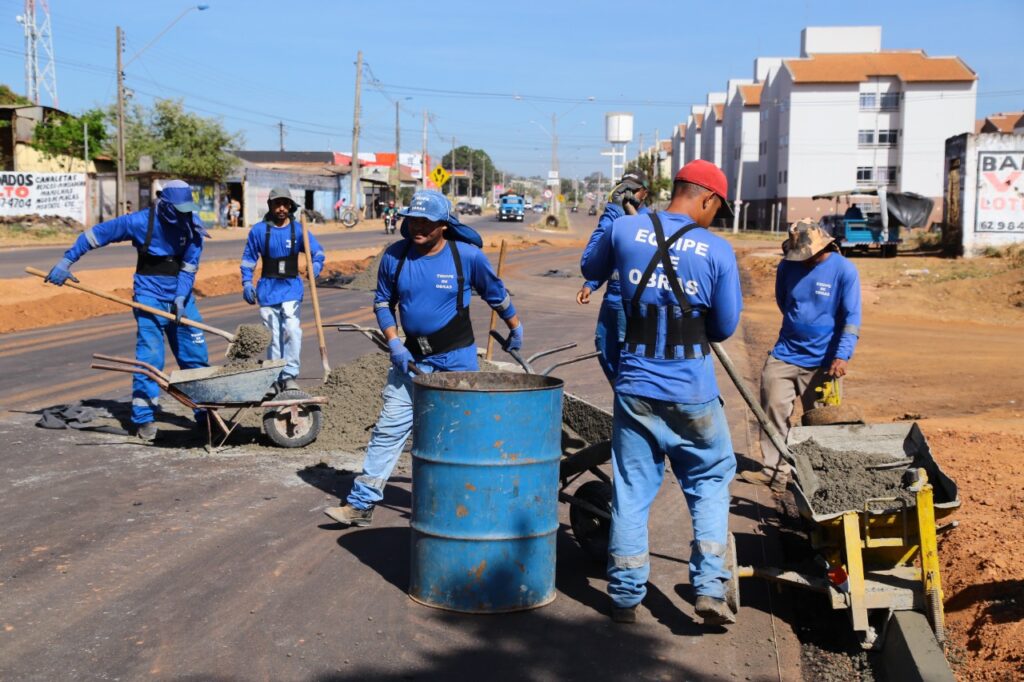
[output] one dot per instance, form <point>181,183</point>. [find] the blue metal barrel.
<point>486,450</point>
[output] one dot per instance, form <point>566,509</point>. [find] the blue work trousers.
<point>187,344</point>
<point>609,336</point>
<point>696,440</point>
<point>389,435</point>
<point>282,320</point>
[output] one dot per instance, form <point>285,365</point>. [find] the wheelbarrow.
<point>291,419</point>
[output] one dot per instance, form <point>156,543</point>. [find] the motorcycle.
<point>390,223</point>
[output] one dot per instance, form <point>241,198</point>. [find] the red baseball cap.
<point>709,176</point>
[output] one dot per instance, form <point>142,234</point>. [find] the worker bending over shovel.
<point>169,239</point>
<point>627,197</point>
<point>818,292</point>
<point>680,291</point>
<point>427,275</point>
<point>277,242</point>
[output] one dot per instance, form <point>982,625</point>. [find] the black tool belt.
<point>147,263</point>
<point>458,333</point>
<point>684,325</point>
<point>284,267</point>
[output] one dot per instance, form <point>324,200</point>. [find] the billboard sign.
<point>1000,205</point>
<point>54,194</point>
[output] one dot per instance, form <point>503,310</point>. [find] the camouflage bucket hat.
<point>806,240</point>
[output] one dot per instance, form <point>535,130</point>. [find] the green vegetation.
<point>482,166</point>
<point>61,134</point>
<point>659,186</point>
<point>8,96</point>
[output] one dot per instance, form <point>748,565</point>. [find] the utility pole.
<point>85,137</point>
<point>554,165</point>
<point>423,159</point>
<point>280,134</point>
<point>120,194</point>
<point>471,173</point>
<point>454,181</point>
<point>738,203</point>
<point>355,135</point>
<point>657,154</point>
<point>398,164</point>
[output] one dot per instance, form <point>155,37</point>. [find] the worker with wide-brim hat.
<point>818,292</point>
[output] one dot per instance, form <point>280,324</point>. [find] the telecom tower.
<point>38,36</point>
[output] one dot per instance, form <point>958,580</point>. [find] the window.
<point>886,175</point>
<point>783,140</point>
<point>867,100</point>
<point>785,176</point>
<point>783,106</point>
<point>888,137</point>
<point>865,174</point>
<point>865,137</point>
<point>890,100</point>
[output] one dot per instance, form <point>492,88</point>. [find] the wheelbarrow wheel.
<point>590,530</point>
<point>732,585</point>
<point>292,427</point>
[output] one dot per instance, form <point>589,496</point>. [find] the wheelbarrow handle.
<point>132,370</point>
<point>563,363</point>
<point>514,353</point>
<point>414,369</point>
<point>550,351</point>
<point>133,361</point>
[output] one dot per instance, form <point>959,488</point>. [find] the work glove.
<point>179,309</point>
<point>622,194</point>
<point>60,273</point>
<point>515,338</point>
<point>400,355</point>
<point>249,293</point>
<point>317,269</point>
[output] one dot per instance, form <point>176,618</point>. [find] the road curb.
<point>911,652</point>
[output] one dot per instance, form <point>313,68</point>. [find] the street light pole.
<point>398,146</point>
<point>120,194</point>
<point>354,191</point>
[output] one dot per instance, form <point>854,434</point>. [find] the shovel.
<point>140,306</point>
<point>807,478</point>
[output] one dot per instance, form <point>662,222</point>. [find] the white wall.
<point>992,211</point>
<point>932,112</point>
<point>678,148</point>
<point>835,39</point>
<point>822,127</point>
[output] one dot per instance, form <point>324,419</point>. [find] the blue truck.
<point>874,218</point>
<point>511,207</point>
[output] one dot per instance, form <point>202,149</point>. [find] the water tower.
<point>618,132</point>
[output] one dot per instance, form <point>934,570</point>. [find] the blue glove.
<point>400,355</point>
<point>515,338</point>
<point>249,293</point>
<point>317,269</point>
<point>179,308</point>
<point>60,273</point>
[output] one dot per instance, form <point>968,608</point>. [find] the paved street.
<point>125,561</point>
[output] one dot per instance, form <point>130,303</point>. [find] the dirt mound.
<point>42,223</point>
<point>846,481</point>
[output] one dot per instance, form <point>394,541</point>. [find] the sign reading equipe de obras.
<point>56,194</point>
<point>1000,206</point>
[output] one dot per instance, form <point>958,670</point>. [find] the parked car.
<point>539,208</point>
<point>592,210</point>
<point>528,205</point>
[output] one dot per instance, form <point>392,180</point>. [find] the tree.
<point>8,96</point>
<point>179,142</point>
<point>60,134</point>
<point>482,166</point>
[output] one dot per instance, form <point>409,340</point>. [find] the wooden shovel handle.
<point>138,306</point>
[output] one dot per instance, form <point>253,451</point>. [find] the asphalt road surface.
<point>125,561</point>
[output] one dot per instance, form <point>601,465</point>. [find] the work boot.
<point>288,384</point>
<point>714,611</point>
<point>624,614</point>
<point>777,483</point>
<point>350,516</point>
<point>146,432</point>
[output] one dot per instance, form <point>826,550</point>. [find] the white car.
<point>528,205</point>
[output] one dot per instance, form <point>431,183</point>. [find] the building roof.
<point>666,145</point>
<point>910,67</point>
<point>286,157</point>
<point>1002,122</point>
<point>719,108</point>
<point>751,94</point>
<point>698,120</point>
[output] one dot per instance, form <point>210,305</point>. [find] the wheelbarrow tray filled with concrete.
<point>900,442</point>
<point>224,386</point>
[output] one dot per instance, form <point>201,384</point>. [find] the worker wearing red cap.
<point>680,292</point>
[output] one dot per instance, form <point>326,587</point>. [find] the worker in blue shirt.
<point>277,242</point>
<point>626,198</point>
<point>818,292</point>
<point>169,239</point>
<point>680,292</point>
<point>428,275</point>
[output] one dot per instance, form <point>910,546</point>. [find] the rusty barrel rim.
<point>487,382</point>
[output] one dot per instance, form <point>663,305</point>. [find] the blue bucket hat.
<point>434,206</point>
<point>179,194</point>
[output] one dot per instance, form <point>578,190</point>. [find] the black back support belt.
<point>147,263</point>
<point>285,267</point>
<point>684,325</point>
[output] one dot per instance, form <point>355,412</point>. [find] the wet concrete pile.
<point>367,279</point>
<point>847,479</point>
<point>248,349</point>
<point>355,402</point>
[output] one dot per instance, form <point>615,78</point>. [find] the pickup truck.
<point>511,207</point>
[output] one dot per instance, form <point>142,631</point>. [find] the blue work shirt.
<point>613,294</point>
<point>174,234</point>
<point>427,296</point>
<point>821,311</point>
<point>706,268</point>
<point>272,290</point>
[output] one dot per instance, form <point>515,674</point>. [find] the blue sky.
<point>254,62</point>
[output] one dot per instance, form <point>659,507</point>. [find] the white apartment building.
<point>711,139</point>
<point>694,123</point>
<point>847,114</point>
<point>678,147</point>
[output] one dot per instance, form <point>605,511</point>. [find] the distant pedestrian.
<point>817,291</point>
<point>276,241</point>
<point>235,213</point>
<point>680,292</point>
<point>429,276</point>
